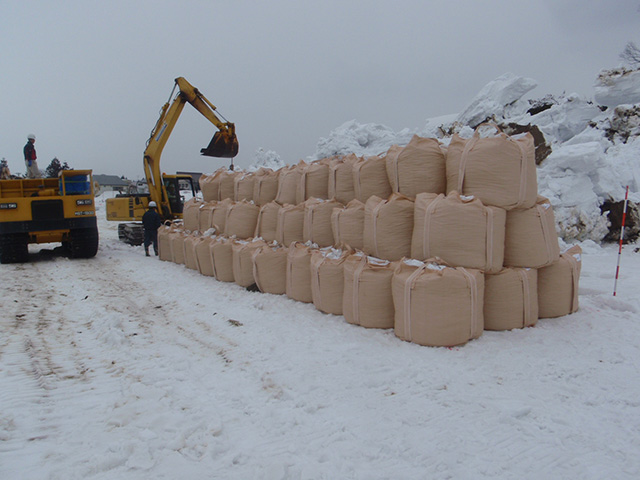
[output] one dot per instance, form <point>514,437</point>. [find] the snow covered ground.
<point>125,367</point>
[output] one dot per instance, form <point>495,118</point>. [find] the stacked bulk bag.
<point>418,167</point>
<point>327,278</point>
<point>226,183</point>
<point>370,178</point>
<point>270,268</point>
<point>499,170</point>
<point>314,181</point>
<point>436,305</point>
<point>176,240</point>
<point>558,285</point>
<point>460,230</point>
<point>204,216</point>
<point>288,181</point>
<point>164,242</point>
<point>190,258</point>
<point>347,224</point>
<point>530,237</point>
<point>511,299</point>
<point>290,227</point>
<point>219,214</point>
<point>241,219</point>
<point>317,221</point>
<point>265,186</point>
<point>298,277</point>
<point>191,214</point>
<point>367,299</point>
<point>203,255</point>
<point>243,186</point>
<point>267,223</point>
<point>243,262</point>
<point>388,227</point>
<point>340,186</point>
<point>210,186</point>
<point>222,258</point>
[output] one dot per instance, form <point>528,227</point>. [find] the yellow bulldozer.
<point>162,188</point>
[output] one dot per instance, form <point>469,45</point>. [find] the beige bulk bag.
<point>460,230</point>
<point>290,227</point>
<point>436,305</point>
<point>243,187</point>
<point>190,258</point>
<point>270,268</point>
<point>347,224</point>
<point>298,281</point>
<point>210,186</point>
<point>203,255</point>
<point>243,262</point>
<point>177,246</point>
<point>367,299</point>
<point>222,257</point>
<point>288,181</point>
<point>314,181</point>
<point>388,226</point>
<point>370,178</point>
<point>511,299</point>
<point>241,219</point>
<point>327,278</point>
<point>267,223</point>
<point>317,221</point>
<point>227,184</point>
<point>499,170</point>
<point>219,214</point>
<point>418,167</point>
<point>191,214</point>
<point>558,285</point>
<point>265,186</point>
<point>340,186</point>
<point>530,236</point>
<point>164,242</point>
<point>205,214</point>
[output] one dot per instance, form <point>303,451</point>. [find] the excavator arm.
<point>223,144</point>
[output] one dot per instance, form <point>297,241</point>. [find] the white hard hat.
<point>152,204</point>
<point>31,136</point>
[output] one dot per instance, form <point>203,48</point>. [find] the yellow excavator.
<point>165,189</point>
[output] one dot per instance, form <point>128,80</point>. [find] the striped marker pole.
<point>624,217</point>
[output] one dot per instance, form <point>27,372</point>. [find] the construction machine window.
<point>75,184</point>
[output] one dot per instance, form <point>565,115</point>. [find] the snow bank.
<point>618,86</point>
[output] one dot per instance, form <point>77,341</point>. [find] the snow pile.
<point>594,146</point>
<point>616,87</point>
<point>361,139</point>
<point>266,159</point>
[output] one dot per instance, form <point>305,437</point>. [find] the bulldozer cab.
<point>224,144</point>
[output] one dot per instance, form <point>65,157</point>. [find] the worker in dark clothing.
<point>30,158</point>
<point>151,222</point>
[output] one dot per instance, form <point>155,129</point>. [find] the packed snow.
<point>126,367</point>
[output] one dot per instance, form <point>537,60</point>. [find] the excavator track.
<point>131,233</point>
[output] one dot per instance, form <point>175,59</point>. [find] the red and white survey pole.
<point>624,217</point>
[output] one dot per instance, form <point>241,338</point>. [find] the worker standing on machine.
<point>30,157</point>
<point>151,222</point>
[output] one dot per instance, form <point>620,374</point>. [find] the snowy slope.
<point>125,367</point>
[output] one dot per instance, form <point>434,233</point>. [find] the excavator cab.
<point>224,144</point>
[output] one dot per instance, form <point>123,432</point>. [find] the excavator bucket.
<point>223,145</point>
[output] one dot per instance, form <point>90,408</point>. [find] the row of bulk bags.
<point>260,186</point>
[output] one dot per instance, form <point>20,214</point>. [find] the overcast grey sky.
<point>88,77</point>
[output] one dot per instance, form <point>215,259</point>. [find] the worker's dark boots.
<point>155,250</point>
<point>146,251</point>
